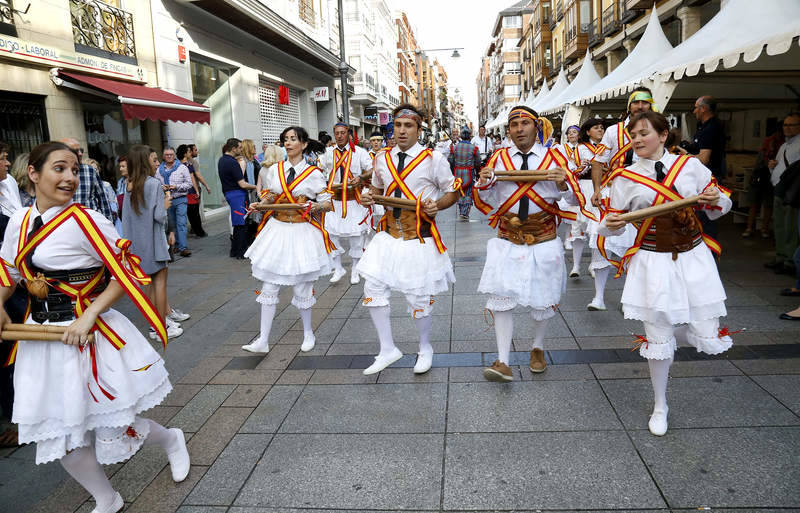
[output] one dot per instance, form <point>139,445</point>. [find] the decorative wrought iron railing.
<point>103,27</point>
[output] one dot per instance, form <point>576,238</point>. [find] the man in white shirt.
<point>10,201</point>
<point>784,216</point>
<point>484,144</point>
<point>408,256</point>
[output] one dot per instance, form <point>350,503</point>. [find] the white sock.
<point>503,331</point>
<point>355,263</point>
<point>267,314</point>
<point>160,436</point>
<point>577,252</point>
<point>424,328</point>
<point>659,375</point>
<point>381,318</point>
<point>337,263</point>
<point>600,279</point>
<point>82,465</point>
<point>305,316</point>
<point>539,330</point>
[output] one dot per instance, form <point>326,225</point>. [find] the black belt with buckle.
<point>57,306</point>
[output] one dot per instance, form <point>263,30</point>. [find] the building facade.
<point>406,60</point>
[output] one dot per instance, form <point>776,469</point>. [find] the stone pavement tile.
<point>139,471</point>
<point>780,337</point>
<point>181,394</point>
<point>475,375</point>
<point>399,307</point>
<point>240,338</point>
<point>371,348</point>
<point>202,509</point>
<point>394,408</point>
<point>201,407</point>
<point>550,343</point>
<point>278,329</point>
<point>206,444</point>
<point>341,377</point>
<point>615,342</point>
<point>343,309</point>
<point>783,388</point>
<point>403,330</point>
<point>236,509</point>
<point>235,351</point>
<point>205,371</point>
<point>720,468</point>
<point>295,377</point>
<point>436,375</point>
<point>575,300</point>
<point>325,334</point>
<point>162,414</point>
<point>632,370</point>
<point>727,401</point>
<point>63,498</point>
<point>472,346</point>
<point>769,366</point>
<point>528,406</point>
<point>269,415</point>
<point>246,377</point>
<point>609,323</point>
<point>222,482</point>
<point>473,327</point>
<point>572,372</point>
<point>348,472</point>
<point>246,396</point>
<point>748,338</point>
<point>163,495</point>
<point>554,471</point>
<point>759,319</point>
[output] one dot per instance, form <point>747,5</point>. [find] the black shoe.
<point>787,317</point>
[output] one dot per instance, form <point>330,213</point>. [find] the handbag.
<point>788,187</point>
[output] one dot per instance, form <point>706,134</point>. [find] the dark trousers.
<point>196,222</point>
<point>239,241</point>
<point>710,227</point>
<point>15,307</point>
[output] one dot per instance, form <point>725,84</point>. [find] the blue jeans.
<point>177,218</point>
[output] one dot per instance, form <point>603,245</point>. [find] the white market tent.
<point>587,77</point>
<point>559,86</point>
<point>543,91</point>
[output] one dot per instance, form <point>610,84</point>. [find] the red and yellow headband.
<point>521,113</point>
<point>642,96</point>
<point>410,114</point>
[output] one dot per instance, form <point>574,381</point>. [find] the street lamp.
<point>343,68</point>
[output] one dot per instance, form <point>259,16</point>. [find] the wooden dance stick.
<point>281,206</point>
<point>391,201</point>
<point>524,172</point>
<point>35,332</point>
<point>657,210</point>
<point>522,178</point>
<point>363,177</point>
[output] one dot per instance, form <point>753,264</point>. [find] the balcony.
<point>559,9</point>
<point>7,18</point>
<point>611,21</point>
<point>551,19</point>
<point>593,37</point>
<point>103,30</point>
<point>557,63</point>
<point>627,15</point>
<point>638,4</point>
<point>575,43</point>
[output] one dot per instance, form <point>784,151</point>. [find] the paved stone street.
<point>288,433</point>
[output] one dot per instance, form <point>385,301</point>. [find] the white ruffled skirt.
<point>663,291</point>
<point>407,266</point>
<point>349,226</point>
<point>54,389</point>
<point>289,253</point>
<point>534,275</point>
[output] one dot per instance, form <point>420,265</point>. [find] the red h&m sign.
<point>283,95</point>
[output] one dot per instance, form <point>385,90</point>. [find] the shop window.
<point>109,135</point>
<point>23,122</point>
<point>207,76</point>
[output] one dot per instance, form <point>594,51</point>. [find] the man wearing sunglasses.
<point>90,188</point>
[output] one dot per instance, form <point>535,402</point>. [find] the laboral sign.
<point>11,47</point>
<point>321,94</point>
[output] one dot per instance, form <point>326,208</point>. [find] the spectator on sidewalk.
<point>251,170</point>
<point>145,204</point>
<point>90,189</point>
<point>20,173</point>
<point>761,192</point>
<point>484,144</point>
<point>785,217</point>
<point>183,153</point>
<point>175,176</point>
<point>200,180</point>
<point>235,188</point>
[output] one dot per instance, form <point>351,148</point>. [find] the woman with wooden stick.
<point>292,246</point>
<point>78,400</point>
<point>672,277</point>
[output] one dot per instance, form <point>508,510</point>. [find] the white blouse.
<point>432,178</point>
<point>313,186</point>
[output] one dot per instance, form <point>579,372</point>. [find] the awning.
<point>138,101</point>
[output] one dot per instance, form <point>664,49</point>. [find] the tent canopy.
<point>587,77</point>
<point>543,91</point>
<point>559,86</point>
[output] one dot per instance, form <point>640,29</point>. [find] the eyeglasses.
<point>791,124</point>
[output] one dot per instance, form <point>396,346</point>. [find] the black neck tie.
<point>290,178</point>
<point>37,224</point>
<point>660,175</point>
<point>629,157</point>
<point>523,202</point>
<point>401,164</point>
<point>341,168</point>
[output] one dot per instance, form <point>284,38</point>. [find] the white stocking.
<point>337,263</point>
<point>577,252</point>
<point>503,331</point>
<point>305,316</point>
<point>355,263</point>
<point>539,331</point>
<point>82,465</point>
<point>383,324</point>
<point>659,375</point>
<point>160,436</point>
<point>600,279</point>
<point>424,328</point>
<point>267,314</point>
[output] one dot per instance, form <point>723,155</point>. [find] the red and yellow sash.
<point>287,189</point>
<point>571,152</point>
<point>594,149</point>
<point>664,193</point>
<point>399,182</point>
<point>551,158</point>
<point>124,267</point>
<point>343,159</point>
<point>5,277</point>
<point>623,145</point>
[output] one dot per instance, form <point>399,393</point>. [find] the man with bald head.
<point>90,187</point>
